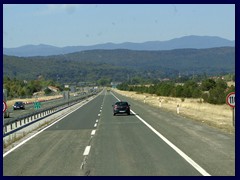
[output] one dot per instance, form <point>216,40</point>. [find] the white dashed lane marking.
<point>86,151</point>
<point>93,132</point>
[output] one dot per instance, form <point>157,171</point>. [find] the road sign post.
<point>4,106</point>
<point>230,100</point>
<point>4,110</point>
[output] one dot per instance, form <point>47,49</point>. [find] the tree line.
<point>23,89</point>
<point>210,90</point>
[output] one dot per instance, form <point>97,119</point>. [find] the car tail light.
<point>115,107</point>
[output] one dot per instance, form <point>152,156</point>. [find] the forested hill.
<point>119,64</point>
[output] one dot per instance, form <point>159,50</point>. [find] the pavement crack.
<point>87,173</point>
<point>83,163</point>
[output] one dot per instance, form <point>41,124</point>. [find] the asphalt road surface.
<point>29,108</point>
<point>149,142</point>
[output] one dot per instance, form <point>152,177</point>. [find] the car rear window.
<point>122,103</point>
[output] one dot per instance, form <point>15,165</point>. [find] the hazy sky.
<point>76,24</point>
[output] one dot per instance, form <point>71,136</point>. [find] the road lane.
<point>125,146</point>
<point>211,148</point>
<point>122,145</point>
<point>57,150</point>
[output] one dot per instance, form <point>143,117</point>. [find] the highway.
<point>150,142</point>
<point>29,108</point>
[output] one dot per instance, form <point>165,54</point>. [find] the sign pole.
<point>233,117</point>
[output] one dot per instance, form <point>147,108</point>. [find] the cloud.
<point>69,8</point>
<point>59,8</point>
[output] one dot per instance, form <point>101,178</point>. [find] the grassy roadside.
<point>218,116</point>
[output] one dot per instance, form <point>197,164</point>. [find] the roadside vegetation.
<point>213,91</point>
<point>24,89</point>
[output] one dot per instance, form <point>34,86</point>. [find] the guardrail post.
<point>4,129</point>
<point>8,128</point>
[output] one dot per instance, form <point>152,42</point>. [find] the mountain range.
<point>120,64</point>
<point>196,42</point>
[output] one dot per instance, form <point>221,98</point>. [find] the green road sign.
<point>37,105</point>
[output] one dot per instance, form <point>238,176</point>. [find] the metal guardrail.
<point>25,120</point>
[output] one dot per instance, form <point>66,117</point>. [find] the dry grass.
<point>219,116</point>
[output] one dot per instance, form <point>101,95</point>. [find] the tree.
<point>188,89</point>
<point>47,91</point>
<point>179,91</point>
<point>196,93</point>
<point>104,81</point>
<point>221,84</point>
<point>208,84</point>
<point>217,96</point>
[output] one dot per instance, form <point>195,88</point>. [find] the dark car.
<point>121,107</point>
<point>18,105</point>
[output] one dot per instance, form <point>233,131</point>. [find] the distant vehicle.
<point>18,105</point>
<point>108,89</point>
<point>121,107</point>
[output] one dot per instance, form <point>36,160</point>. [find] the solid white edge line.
<point>175,148</point>
<point>87,150</point>
<point>26,140</point>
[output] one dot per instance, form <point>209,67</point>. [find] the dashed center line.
<point>93,132</point>
<point>86,151</point>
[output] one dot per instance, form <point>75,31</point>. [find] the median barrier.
<point>26,120</point>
